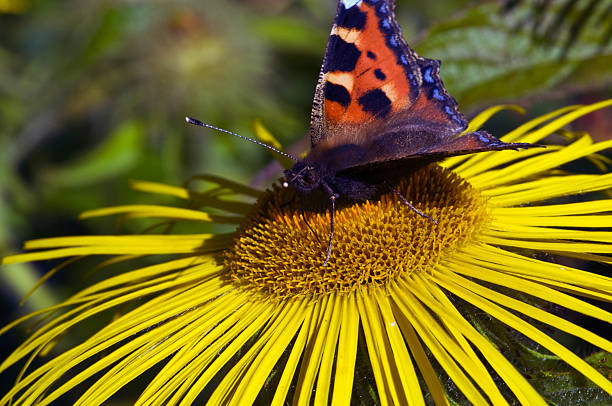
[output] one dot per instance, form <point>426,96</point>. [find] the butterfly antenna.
<point>202,124</point>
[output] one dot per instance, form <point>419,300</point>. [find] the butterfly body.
<point>379,109</point>
<point>339,170</point>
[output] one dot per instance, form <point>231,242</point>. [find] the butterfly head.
<point>303,177</point>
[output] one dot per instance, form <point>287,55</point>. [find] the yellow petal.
<point>347,351</point>
<point>467,360</point>
<point>479,162</point>
<point>329,352</point>
<point>230,345</point>
<point>485,115</point>
<point>525,266</point>
<point>525,328</point>
<point>255,366</point>
<point>567,118</point>
<point>537,164</point>
<point>282,388</point>
<point>159,188</point>
<point>266,137</point>
<point>547,188</point>
<point>384,382</point>
<point>532,311</point>
<point>441,346</point>
<point>311,360</point>
<point>524,392</point>
<point>518,213</point>
<point>403,362</point>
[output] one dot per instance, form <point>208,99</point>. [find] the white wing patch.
<point>350,3</point>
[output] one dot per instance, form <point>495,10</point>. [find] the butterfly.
<point>379,109</point>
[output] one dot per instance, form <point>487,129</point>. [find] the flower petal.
<point>224,349</point>
<point>547,188</point>
<point>347,351</point>
<point>385,381</point>
<point>532,311</point>
<point>146,211</point>
<point>255,366</point>
<point>296,353</point>
<point>537,164</point>
<point>311,361</point>
<point>485,115</point>
<point>530,267</point>
<point>402,361</point>
<point>428,373</point>
<point>519,213</point>
<point>437,341</point>
<point>525,328</point>
<point>122,245</point>
<point>159,188</point>
<point>556,124</point>
<point>524,392</point>
<point>477,163</point>
<point>329,350</point>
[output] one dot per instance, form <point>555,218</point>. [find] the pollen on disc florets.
<point>374,242</point>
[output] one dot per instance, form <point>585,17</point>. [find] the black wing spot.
<point>351,18</point>
<point>371,55</point>
<point>376,103</point>
<point>380,74</point>
<point>341,55</point>
<point>337,93</point>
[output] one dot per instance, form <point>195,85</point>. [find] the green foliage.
<point>488,58</point>
<point>116,155</point>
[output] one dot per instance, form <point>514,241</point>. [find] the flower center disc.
<point>374,242</point>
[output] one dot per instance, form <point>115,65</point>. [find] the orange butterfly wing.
<point>370,74</point>
<point>378,101</point>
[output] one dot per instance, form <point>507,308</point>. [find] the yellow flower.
<point>234,318</point>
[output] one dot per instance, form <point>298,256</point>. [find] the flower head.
<point>438,310</point>
<point>375,242</point>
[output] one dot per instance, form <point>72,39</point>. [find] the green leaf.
<point>488,57</point>
<point>569,389</point>
<point>601,360</point>
<point>116,155</point>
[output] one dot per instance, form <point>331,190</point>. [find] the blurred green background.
<point>94,93</point>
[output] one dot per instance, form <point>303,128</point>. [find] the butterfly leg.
<point>302,213</point>
<point>306,220</point>
<point>332,200</point>
<point>407,203</point>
